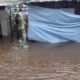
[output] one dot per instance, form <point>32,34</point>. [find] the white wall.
<point>4,18</point>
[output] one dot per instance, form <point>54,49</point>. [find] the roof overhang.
<point>56,4</point>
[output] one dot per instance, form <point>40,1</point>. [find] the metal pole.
<point>11,36</point>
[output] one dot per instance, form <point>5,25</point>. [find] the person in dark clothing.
<point>17,27</point>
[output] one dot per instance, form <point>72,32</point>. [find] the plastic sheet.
<point>53,25</point>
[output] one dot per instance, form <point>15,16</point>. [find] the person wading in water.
<point>18,28</point>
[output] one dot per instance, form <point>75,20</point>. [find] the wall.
<point>4,18</point>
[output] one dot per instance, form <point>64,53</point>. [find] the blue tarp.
<point>53,25</point>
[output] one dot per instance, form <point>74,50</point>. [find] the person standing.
<point>24,29</point>
<point>17,27</point>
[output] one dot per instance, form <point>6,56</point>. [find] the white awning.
<point>8,2</point>
<point>46,0</point>
<point>43,0</point>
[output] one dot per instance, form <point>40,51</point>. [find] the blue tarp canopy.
<point>53,25</point>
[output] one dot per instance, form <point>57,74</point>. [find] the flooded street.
<point>40,61</point>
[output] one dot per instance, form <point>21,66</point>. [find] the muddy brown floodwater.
<point>40,61</point>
